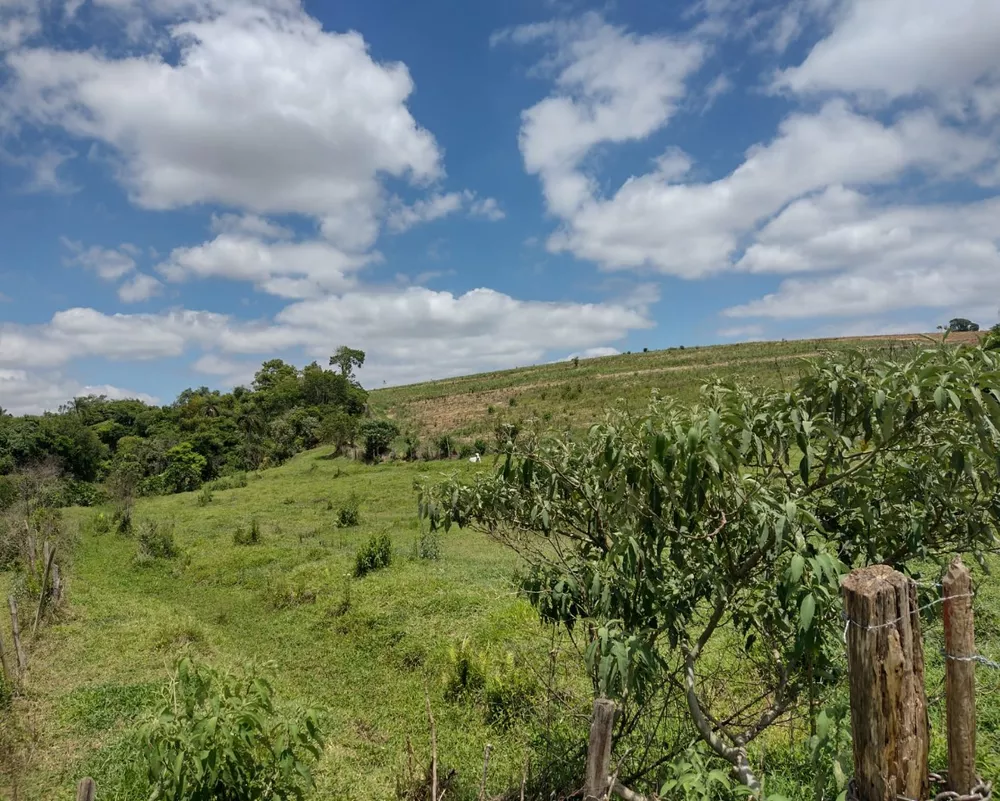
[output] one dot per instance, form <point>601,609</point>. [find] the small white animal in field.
<point>476,459</point>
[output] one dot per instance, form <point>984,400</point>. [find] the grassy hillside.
<point>572,395</point>
<point>363,650</point>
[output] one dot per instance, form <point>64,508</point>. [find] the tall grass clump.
<point>373,555</point>
<point>249,535</point>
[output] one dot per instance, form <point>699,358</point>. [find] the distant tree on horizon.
<point>960,324</point>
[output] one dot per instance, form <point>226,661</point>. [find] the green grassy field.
<point>363,650</point>
<point>364,653</point>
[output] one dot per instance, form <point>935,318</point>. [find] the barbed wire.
<point>848,622</point>
<point>977,658</point>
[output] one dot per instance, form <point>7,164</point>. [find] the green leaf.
<point>795,570</point>
<point>806,612</point>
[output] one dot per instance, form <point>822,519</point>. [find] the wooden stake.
<point>32,552</point>
<point>434,749</point>
<point>486,767</point>
<point>56,583</point>
<point>8,676</point>
<point>15,632</point>
<point>602,722</point>
<point>885,662</point>
<point>50,555</point>
<point>960,677</point>
<point>86,790</point>
<point>524,775</point>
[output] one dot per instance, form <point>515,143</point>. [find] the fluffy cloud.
<point>410,334</point>
<point>897,48</point>
<point>693,229</point>
<point>109,264</point>
<point>895,257</point>
<point>261,110</point>
<point>141,287</point>
<point>795,204</point>
<point>286,269</point>
<point>19,20</point>
<point>611,86</point>
<point>81,332</point>
<point>249,225</point>
<point>418,333</point>
<point>26,393</point>
<point>402,217</point>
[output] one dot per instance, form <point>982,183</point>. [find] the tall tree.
<point>347,359</point>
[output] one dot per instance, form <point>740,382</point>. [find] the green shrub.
<point>156,540</point>
<point>504,690</point>
<point>234,481</point>
<point>377,436</point>
<point>247,535</point>
<point>428,545</point>
<point>217,737</point>
<point>411,447</point>
<point>100,523</point>
<point>445,446</point>
<point>373,555</point>
<point>482,446</point>
<point>205,496</point>
<point>121,519</point>
<point>8,492</point>
<point>184,468</point>
<point>465,450</point>
<point>349,514</point>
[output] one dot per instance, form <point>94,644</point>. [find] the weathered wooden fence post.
<point>86,790</point>
<point>960,677</point>
<point>602,722</point>
<point>8,675</point>
<point>885,660</point>
<point>15,633</point>
<point>50,554</point>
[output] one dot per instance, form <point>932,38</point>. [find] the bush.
<point>445,446</point>
<point>411,447</point>
<point>349,514</point>
<point>465,450</point>
<point>184,468</point>
<point>217,737</point>
<point>247,536</point>
<point>235,481</point>
<point>77,493</point>
<point>377,436</point>
<point>482,446</point>
<point>373,555</point>
<point>100,523</point>
<point>121,520</point>
<point>205,496</point>
<point>428,545</point>
<point>505,692</point>
<point>156,540</point>
<point>991,342</point>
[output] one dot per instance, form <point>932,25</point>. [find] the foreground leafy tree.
<point>695,553</point>
<point>218,737</point>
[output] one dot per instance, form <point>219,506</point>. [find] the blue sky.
<point>188,187</point>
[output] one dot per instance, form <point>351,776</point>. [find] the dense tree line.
<point>202,435</point>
